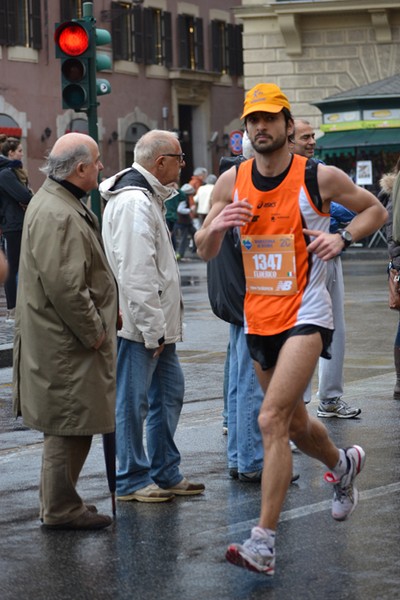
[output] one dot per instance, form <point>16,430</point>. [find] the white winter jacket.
<point>139,249</point>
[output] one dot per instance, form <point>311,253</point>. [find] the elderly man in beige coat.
<point>65,330</point>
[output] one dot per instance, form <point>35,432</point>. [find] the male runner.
<point>288,316</point>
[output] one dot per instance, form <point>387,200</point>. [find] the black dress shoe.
<point>90,507</point>
<point>255,477</point>
<point>86,521</point>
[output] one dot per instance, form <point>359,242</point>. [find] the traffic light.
<point>103,61</point>
<point>75,47</point>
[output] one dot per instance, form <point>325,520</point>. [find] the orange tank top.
<point>292,283</point>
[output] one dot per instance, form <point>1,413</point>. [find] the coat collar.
<point>160,191</point>
<point>55,188</point>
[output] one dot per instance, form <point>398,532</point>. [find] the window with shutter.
<point>215,47</point>
<point>199,45</point>
<point>3,22</point>
<point>152,36</point>
<point>190,38</point>
<point>70,9</point>
<point>36,26</point>
<point>183,54</point>
<point>20,23</point>
<point>158,37</point>
<point>127,31</point>
<point>167,39</point>
<point>138,34</point>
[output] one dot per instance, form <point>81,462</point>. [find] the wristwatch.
<point>346,237</point>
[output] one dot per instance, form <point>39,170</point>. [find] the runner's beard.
<point>274,145</point>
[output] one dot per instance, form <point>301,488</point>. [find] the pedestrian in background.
<point>198,178</point>
<point>386,197</point>
<point>184,229</point>
<point>150,383</point>
<point>330,372</point>
<point>171,210</point>
<point>65,330</point>
<point>196,181</point>
<point>15,195</point>
<point>288,317</point>
<point>202,197</point>
<point>226,291</point>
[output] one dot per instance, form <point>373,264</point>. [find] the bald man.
<point>65,331</point>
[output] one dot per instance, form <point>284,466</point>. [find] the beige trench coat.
<point>66,298</point>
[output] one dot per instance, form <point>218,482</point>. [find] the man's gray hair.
<point>152,145</point>
<point>61,165</point>
<point>200,172</point>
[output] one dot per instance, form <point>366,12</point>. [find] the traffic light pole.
<point>76,44</point>
<point>92,111</point>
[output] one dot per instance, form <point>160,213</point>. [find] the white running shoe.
<point>345,493</point>
<point>254,554</point>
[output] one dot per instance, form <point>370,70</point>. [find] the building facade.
<point>316,49</point>
<point>175,65</point>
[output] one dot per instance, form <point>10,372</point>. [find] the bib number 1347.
<point>269,264</point>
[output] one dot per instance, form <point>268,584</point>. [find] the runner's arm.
<point>223,215</point>
<point>335,185</point>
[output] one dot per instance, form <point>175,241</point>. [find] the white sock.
<point>269,534</point>
<point>341,466</point>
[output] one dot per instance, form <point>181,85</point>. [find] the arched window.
<point>79,125</point>
<point>9,126</point>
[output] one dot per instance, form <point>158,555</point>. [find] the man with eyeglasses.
<point>150,383</point>
<point>330,372</point>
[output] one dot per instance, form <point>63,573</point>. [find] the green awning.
<point>359,138</point>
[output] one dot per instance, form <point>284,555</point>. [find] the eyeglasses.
<point>180,156</point>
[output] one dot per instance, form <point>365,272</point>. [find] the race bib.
<point>270,264</point>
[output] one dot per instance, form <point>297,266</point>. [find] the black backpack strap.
<point>311,181</point>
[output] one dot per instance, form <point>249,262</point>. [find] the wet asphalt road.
<point>176,550</point>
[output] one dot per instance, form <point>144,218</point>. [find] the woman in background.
<point>385,196</point>
<point>15,195</point>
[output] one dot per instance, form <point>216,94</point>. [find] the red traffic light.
<point>72,39</point>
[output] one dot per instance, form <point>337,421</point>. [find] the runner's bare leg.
<point>282,414</point>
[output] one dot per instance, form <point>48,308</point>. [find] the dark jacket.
<point>385,196</point>
<point>13,193</point>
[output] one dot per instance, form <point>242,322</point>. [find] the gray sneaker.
<point>345,493</point>
<point>336,407</point>
<point>254,554</point>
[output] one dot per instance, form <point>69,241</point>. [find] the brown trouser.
<point>62,462</point>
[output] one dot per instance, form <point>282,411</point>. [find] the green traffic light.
<point>102,37</point>
<point>74,96</point>
<point>103,62</point>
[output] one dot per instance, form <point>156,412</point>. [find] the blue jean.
<point>245,396</point>
<point>150,389</point>
<point>226,388</point>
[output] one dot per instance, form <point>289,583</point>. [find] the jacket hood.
<point>138,178</point>
<point>387,182</point>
